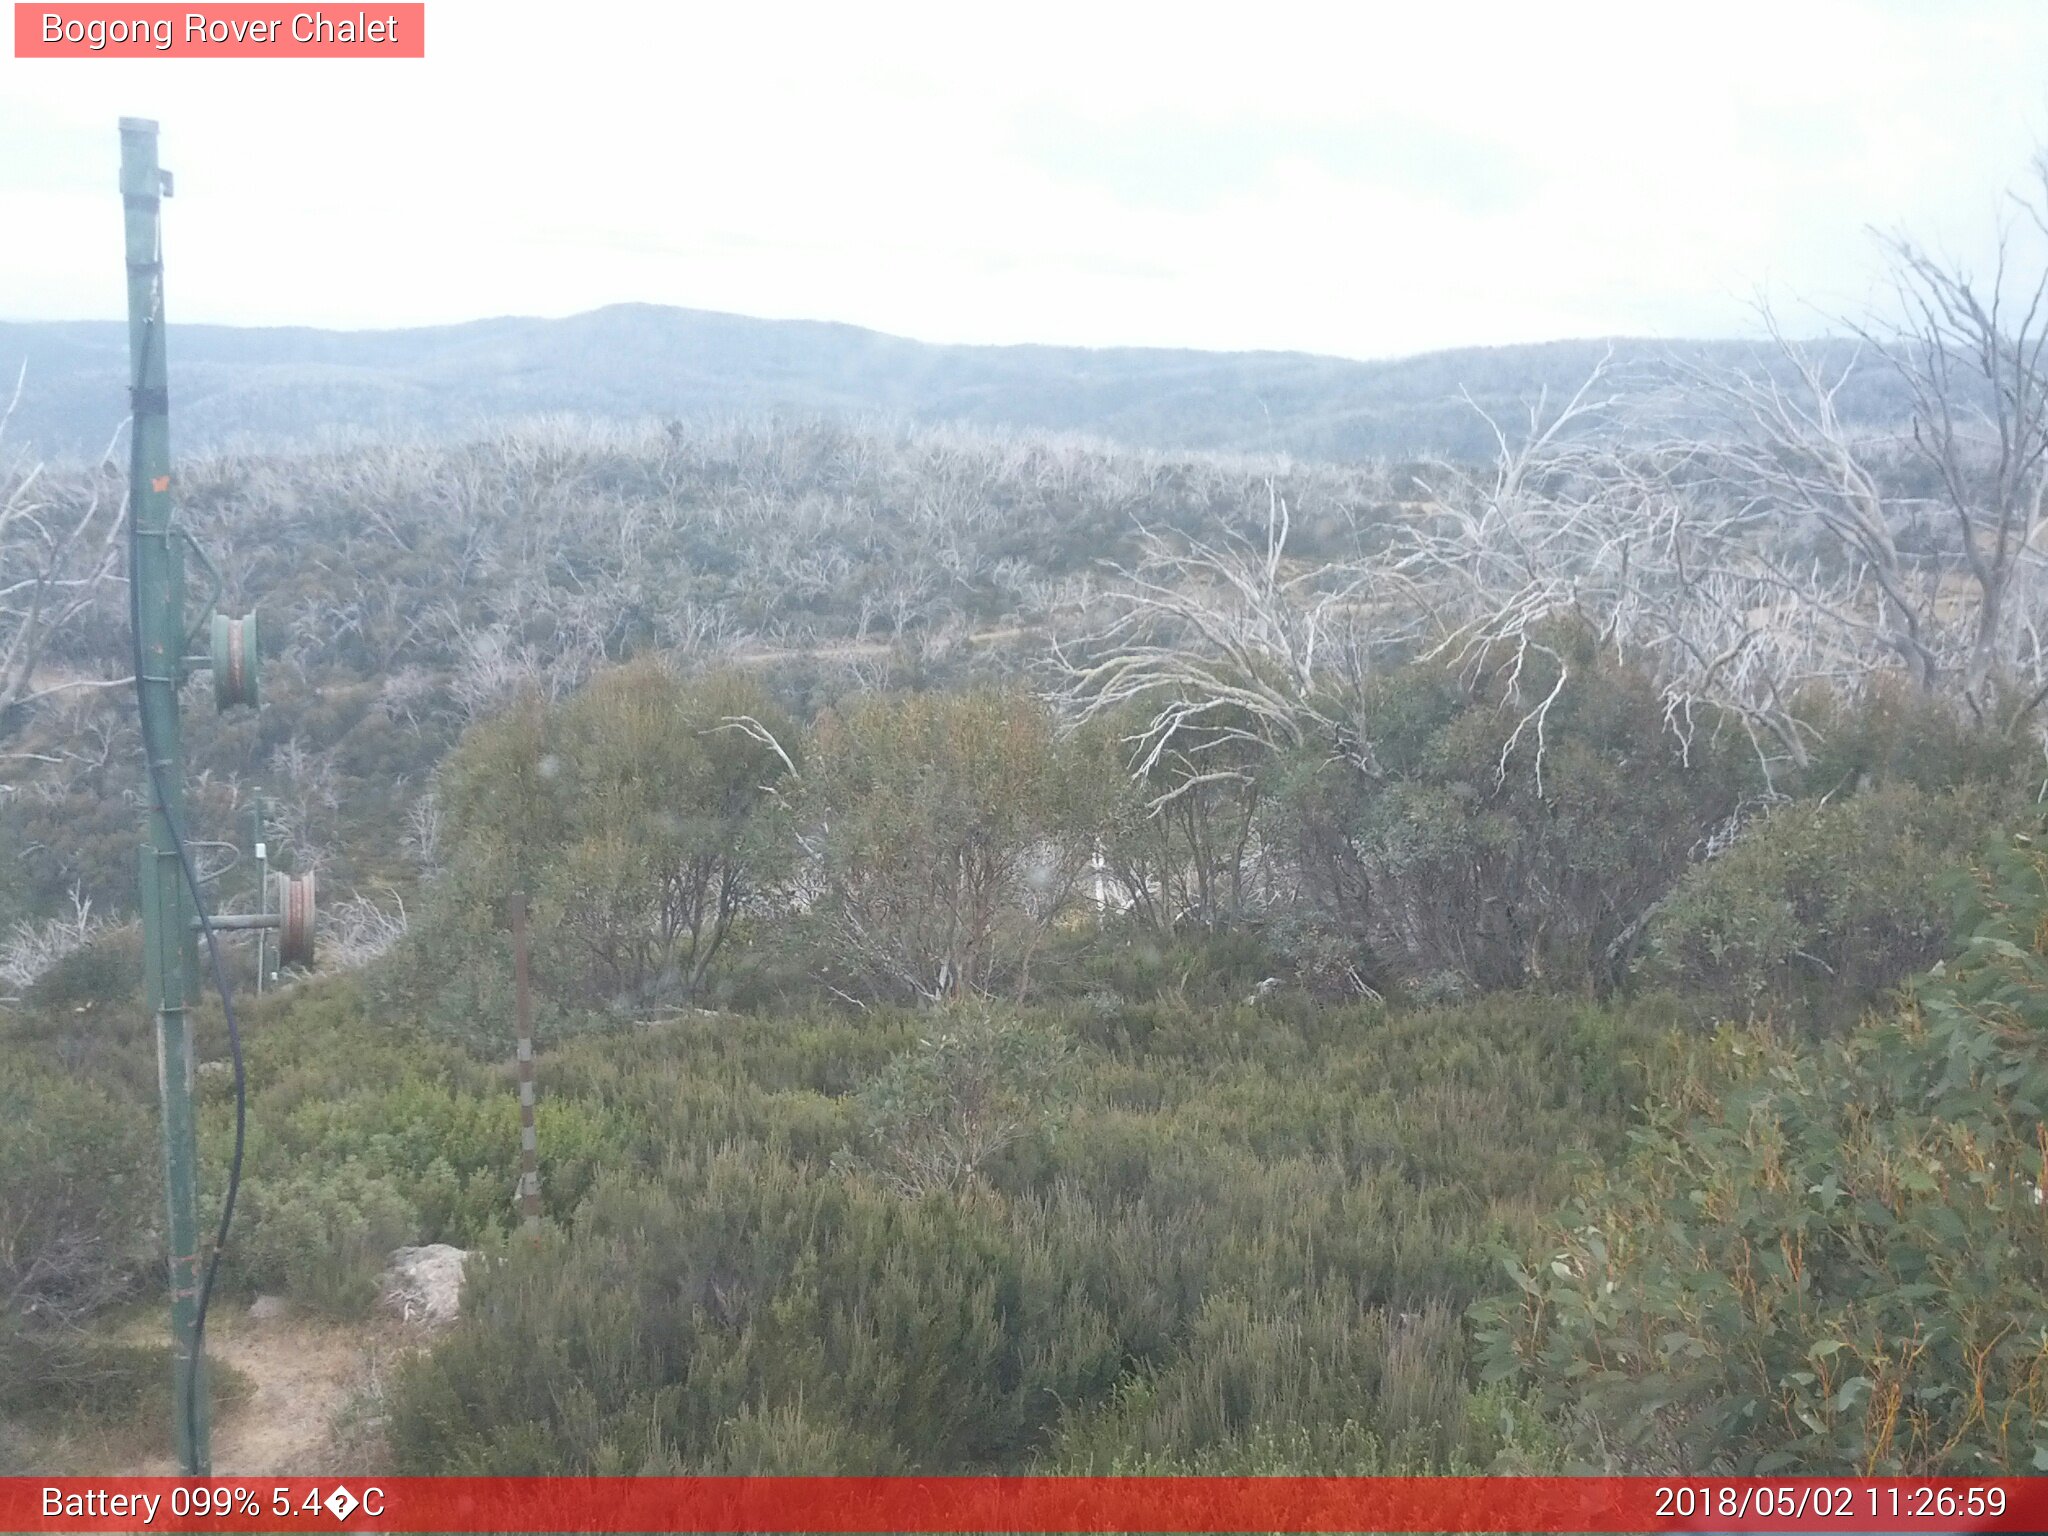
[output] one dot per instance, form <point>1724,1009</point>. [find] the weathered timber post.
<point>529,1139</point>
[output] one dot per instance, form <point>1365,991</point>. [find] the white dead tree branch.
<point>1643,547</point>
<point>33,948</point>
<point>758,733</point>
<point>358,929</point>
<point>1657,549</point>
<point>1226,642</point>
<point>1909,548</point>
<point>1494,559</point>
<point>1793,551</point>
<point>59,552</point>
<point>423,819</point>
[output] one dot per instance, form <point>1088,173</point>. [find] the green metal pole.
<point>168,908</point>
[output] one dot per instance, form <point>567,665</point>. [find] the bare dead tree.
<point>423,821</point>
<point>33,948</point>
<point>1911,548</point>
<point>1223,641</point>
<point>305,802</point>
<point>59,552</point>
<point>1791,550</point>
<point>1493,559</point>
<point>1641,544</point>
<point>493,668</point>
<point>357,929</point>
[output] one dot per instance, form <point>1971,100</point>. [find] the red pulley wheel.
<point>296,910</point>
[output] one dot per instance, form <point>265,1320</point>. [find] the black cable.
<point>178,840</point>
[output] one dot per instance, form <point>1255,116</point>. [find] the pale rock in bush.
<point>424,1284</point>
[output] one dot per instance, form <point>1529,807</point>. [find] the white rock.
<point>424,1285</point>
<point>263,1308</point>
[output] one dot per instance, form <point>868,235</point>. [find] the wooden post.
<point>529,1141</point>
<point>262,852</point>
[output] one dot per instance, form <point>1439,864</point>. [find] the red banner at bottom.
<point>1021,1504</point>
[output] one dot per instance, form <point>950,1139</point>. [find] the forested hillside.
<point>268,388</point>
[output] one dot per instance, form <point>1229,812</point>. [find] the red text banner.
<point>1021,1504</point>
<point>227,31</point>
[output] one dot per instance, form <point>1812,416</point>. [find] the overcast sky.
<point>1366,179</point>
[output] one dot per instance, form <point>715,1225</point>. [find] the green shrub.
<point>1176,815</point>
<point>85,1015</point>
<point>331,1089</point>
<point>943,1113</point>
<point>1893,733</point>
<point>1358,1394</point>
<point>738,1286</point>
<point>643,818</point>
<point>78,1195</point>
<point>56,1375</point>
<point>101,975</point>
<point>1242,1199</point>
<point>957,831</point>
<point>1128,961</point>
<point>321,1237</point>
<point>1816,909</point>
<point>1829,1260</point>
<point>1484,847</point>
<point>80,1227</point>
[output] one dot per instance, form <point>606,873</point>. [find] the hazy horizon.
<point>1049,344</point>
<point>1095,179</point>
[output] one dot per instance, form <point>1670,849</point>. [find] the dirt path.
<point>858,650</point>
<point>300,1374</point>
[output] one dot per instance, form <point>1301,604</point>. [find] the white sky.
<point>1366,179</point>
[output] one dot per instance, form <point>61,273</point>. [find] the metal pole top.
<point>142,180</point>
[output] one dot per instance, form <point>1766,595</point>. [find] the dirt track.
<point>301,1375</point>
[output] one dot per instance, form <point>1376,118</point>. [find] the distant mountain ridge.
<point>272,387</point>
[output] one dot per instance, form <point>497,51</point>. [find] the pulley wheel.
<point>234,661</point>
<point>296,913</point>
